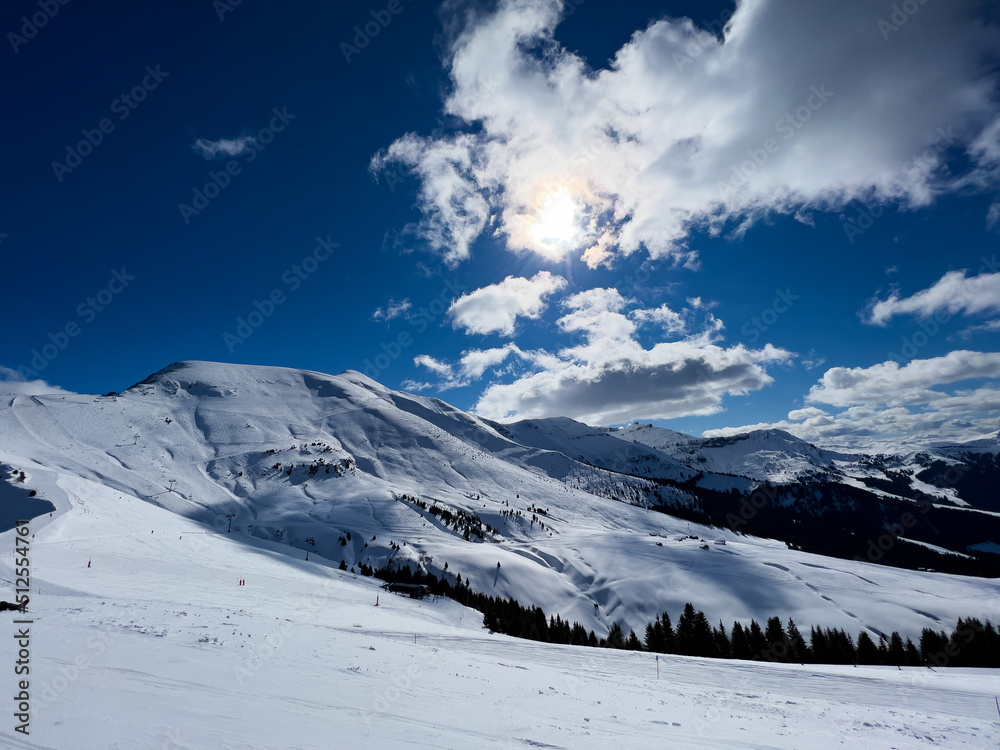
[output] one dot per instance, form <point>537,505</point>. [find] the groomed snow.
<point>156,645</point>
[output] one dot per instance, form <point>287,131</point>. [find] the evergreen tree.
<point>897,651</point>
<point>616,638</point>
<point>932,647</point>
<point>740,644</point>
<point>841,647</point>
<point>798,650</point>
<point>633,642</point>
<point>758,643</point>
<point>777,646</point>
<point>654,637</point>
<point>819,646</point>
<point>669,635</point>
<point>867,650</point>
<point>723,646</point>
<point>685,631</point>
<point>912,654</point>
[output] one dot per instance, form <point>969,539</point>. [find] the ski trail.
<point>38,422</point>
<point>824,597</point>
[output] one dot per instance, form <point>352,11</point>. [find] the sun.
<point>557,225</point>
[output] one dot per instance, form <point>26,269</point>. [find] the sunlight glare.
<point>556,227</point>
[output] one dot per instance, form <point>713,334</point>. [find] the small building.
<point>413,590</point>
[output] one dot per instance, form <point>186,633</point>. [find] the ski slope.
<point>154,644</point>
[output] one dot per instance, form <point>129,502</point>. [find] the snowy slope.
<point>596,446</point>
<point>773,455</point>
<point>253,445</point>
<point>155,645</point>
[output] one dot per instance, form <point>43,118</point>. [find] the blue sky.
<point>697,214</point>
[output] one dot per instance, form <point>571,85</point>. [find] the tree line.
<point>971,643</point>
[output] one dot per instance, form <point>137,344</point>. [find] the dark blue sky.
<point>78,218</point>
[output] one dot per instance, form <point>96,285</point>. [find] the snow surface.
<point>156,645</point>
<point>172,644</point>
<point>773,455</point>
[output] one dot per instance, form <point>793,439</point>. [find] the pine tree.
<point>654,636</point>
<point>723,646</point>
<point>758,643</point>
<point>616,638</point>
<point>932,647</point>
<point>819,646</point>
<point>897,651</point>
<point>912,654</point>
<point>669,635</point>
<point>867,650</point>
<point>740,643</point>
<point>633,642</point>
<point>777,646</point>
<point>799,651</point>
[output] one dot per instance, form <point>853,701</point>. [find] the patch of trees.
<point>850,523</point>
<point>972,643</point>
<point>463,522</point>
<point>975,478</point>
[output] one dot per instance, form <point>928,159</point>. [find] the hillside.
<point>144,639</point>
<point>332,464</point>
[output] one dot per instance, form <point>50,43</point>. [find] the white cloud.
<point>393,310</point>
<point>454,207</point>
<point>672,322</point>
<point>894,385</point>
<point>885,404</point>
<point>809,412</point>
<point>953,293</point>
<point>13,384</point>
<point>992,326</point>
<point>802,106</point>
<point>495,308</point>
<point>472,366</point>
<point>993,216</point>
<point>607,377</point>
<point>224,147</point>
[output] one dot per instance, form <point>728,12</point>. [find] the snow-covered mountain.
<point>133,567</point>
<point>772,455</point>
<point>333,465</point>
